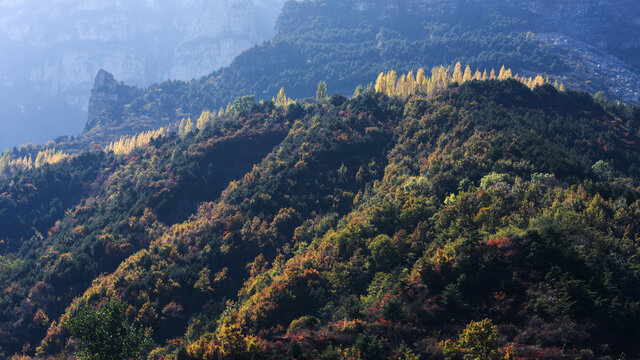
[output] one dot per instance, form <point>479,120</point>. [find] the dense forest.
<point>451,214</point>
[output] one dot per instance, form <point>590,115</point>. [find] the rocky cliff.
<point>53,50</point>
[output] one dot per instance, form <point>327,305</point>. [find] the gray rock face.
<point>55,48</point>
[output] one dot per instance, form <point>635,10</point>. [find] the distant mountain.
<point>348,43</point>
<point>52,51</point>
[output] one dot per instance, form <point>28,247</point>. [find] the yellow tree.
<point>381,83</point>
<point>401,88</point>
<point>392,79</point>
<point>467,74</point>
<point>411,83</point>
<point>493,75</point>
<point>485,77</point>
<point>477,75</point>
<point>203,120</point>
<point>538,81</point>
<point>457,73</point>
<point>421,80</point>
<point>281,100</point>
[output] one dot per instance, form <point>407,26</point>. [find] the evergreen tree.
<point>321,94</point>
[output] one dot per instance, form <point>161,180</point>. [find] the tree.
<point>243,105</point>
<point>457,73</point>
<point>467,74</point>
<point>321,94</point>
<point>282,100</point>
<point>358,92</point>
<point>106,334</point>
<point>381,83</point>
<point>392,80</point>
<point>480,339</point>
<point>421,80</point>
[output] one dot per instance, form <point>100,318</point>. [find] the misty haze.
<point>52,51</point>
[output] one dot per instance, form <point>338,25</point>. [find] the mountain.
<point>372,227</point>
<point>348,43</point>
<point>449,213</point>
<point>57,48</point>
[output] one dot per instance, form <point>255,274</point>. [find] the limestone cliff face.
<point>55,48</point>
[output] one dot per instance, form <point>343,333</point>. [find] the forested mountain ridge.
<point>349,42</point>
<point>369,228</point>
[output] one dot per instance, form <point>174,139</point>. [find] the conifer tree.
<point>477,75</point>
<point>502,74</point>
<point>411,83</point>
<point>391,80</point>
<point>538,81</point>
<point>381,83</point>
<point>181,127</point>
<point>485,77</point>
<point>401,87</point>
<point>203,120</point>
<point>467,74</point>
<point>322,95</point>
<point>421,80</point>
<point>358,92</point>
<point>493,75</point>
<point>282,100</point>
<point>457,73</point>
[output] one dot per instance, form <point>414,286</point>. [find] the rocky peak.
<point>107,97</point>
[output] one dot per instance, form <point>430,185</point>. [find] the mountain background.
<point>348,43</point>
<point>54,49</point>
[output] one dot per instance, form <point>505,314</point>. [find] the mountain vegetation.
<point>453,214</point>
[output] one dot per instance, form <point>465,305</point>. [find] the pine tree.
<point>321,94</point>
<point>485,77</point>
<point>493,75</point>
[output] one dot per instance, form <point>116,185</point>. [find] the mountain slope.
<point>375,222</point>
